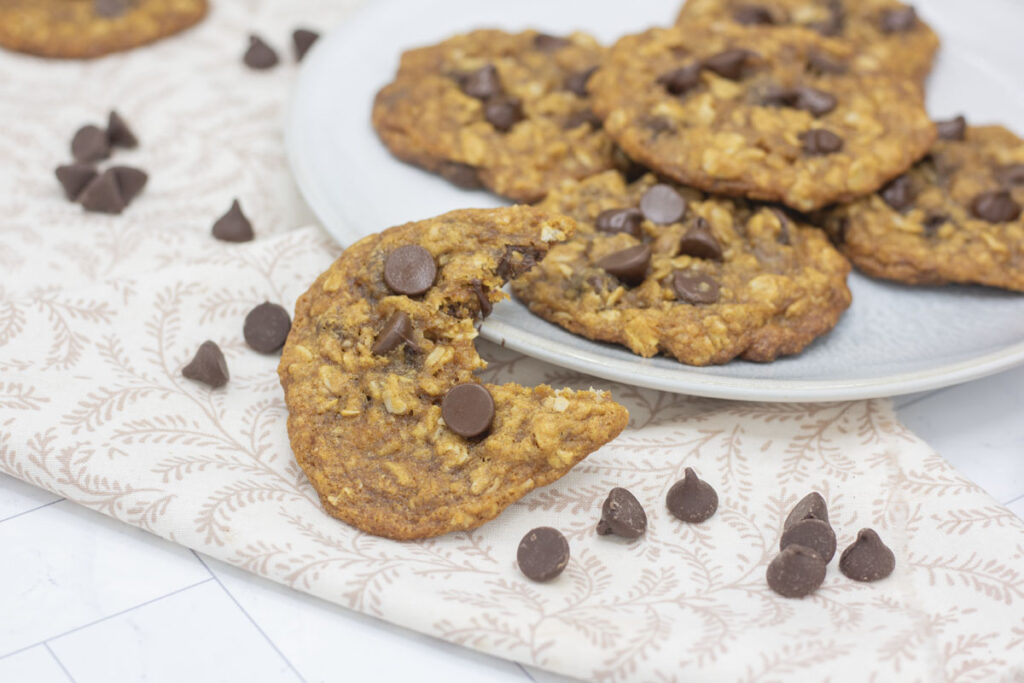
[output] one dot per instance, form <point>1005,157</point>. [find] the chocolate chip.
<point>898,20</point>
<point>795,572</point>
<point>622,515</point>
<point>111,9</point>
<point>577,82</point>
<point>620,220</point>
<point>833,25</point>
<point>1011,175</point>
<point>259,56</point>
<point>118,132</point>
<point>103,194</point>
<point>729,63</point>
<point>629,265</point>
<point>130,181</point>
<point>503,112</point>
<point>543,554</point>
<point>821,141</point>
<point>409,270</point>
<point>396,331</point>
<point>898,193</point>
<point>581,117</point>
<point>548,43</point>
<point>820,63</point>
<point>752,15</point>
<point>233,226</point>
<point>867,558</point>
<point>482,84</point>
<point>953,129</point>
<point>515,261</point>
<point>695,288</point>
<point>662,205</point>
<point>302,40</point>
<point>933,222</point>
<point>266,327</point>
<point>208,366</point>
<point>811,506</point>
<point>679,81</point>
<point>691,499</point>
<point>74,177</point>
<point>816,102</point>
<point>815,534</point>
<point>90,144</point>
<point>462,175</point>
<point>700,242</point>
<point>629,169</point>
<point>468,409</point>
<point>481,296</point>
<point>995,207</point>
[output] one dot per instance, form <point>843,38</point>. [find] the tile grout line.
<point>525,672</point>
<point>59,663</point>
<point>25,512</point>
<point>102,619</point>
<point>248,616</point>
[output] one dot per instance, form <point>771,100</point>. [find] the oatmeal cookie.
<point>954,217</point>
<point>386,417</point>
<point>506,111</point>
<point>662,268</point>
<point>776,114</point>
<point>78,29</point>
<point>885,35</point>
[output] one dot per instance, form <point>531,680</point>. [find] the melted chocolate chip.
<point>622,515</point>
<point>699,241</point>
<point>577,82</point>
<point>867,558</point>
<point>90,143</point>
<point>811,506</point>
<point>548,43</point>
<point>468,409</point>
<point>582,117</point>
<point>821,64</point>
<point>620,220</point>
<point>795,572</point>
<point>515,261</point>
<point>461,175</point>
<point>752,15</point>
<point>898,20</point>
<point>628,265</point>
<point>503,112</point>
<point>995,207</point>
<point>933,222</point>
<point>898,193</point>
<point>691,499</point>
<point>259,56</point>
<point>208,366</point>
<point>1012,175</point>
<point>662,205</point>
<point>233,226</point>
<point>118,132</point>
<point>695,288</point>
<point>302,40</point>
<point>409,270</point>
<point>482,84</point>
<point>103,194</point>
<point>815,534</point>
<point>730,63</point>
<point>820,141</point>
<point>396,331</point>
<point>953,129</point>
<point>814,101</point>
<point>266,327</point>
<point>682,80</point>
<point>543,554</point>
<point>481,296</point>
<point>74,178</point>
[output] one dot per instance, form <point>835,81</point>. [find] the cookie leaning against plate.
<point>660,268</point>
<point>76,29</point>
<point>954,217</point>
<point>507,111</point>
<point>768,113</point>
<point>885,34</point>
<point>393,429</point>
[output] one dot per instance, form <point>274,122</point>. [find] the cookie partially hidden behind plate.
<point>386,417</point>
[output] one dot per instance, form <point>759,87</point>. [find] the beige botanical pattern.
<point>98,315</point>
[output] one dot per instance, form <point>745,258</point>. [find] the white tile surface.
<point>17,497</point>
<point>197,635</point>
<point>35,665</point>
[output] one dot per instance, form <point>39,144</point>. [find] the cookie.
<point>715,278</point>
<point>954,217</point>
<point>386,416</point>
<point>885,35</point>
<point>505,111</point>
<point>776,114</point>
<point>78,29</point>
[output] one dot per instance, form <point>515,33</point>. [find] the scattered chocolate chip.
<point>622,515</point>
<point>898,193</point>
<point>74,177</point>
<point>481,296</point>
<point>817,102</point>
<point>468,409</point>
<point>953,129</point>
<point>700,242</point>
<point>691,499</point>
<point>118,132</point>
<point>620,220</point>
<point>266,327</point>
<point>581,117</point>
<point>867,558</point>
<point>302,40</point>
<point>695,288</point>
<point>130,181</point>
<point>933,222</point>
<point>503,112</point>
<point>811,506</point>
<point>628,265</point>
<point>662,205</point>
<point>577,82</point>
<point>409,270</point>
<point>729,63</point>
<point>898,20</point>
<point>795,572</point>
<point>515,261</point>
<point>396,331</point>
<point>820,63</point>
<point>462,175</point>
<point>233,226</point>
<point>208,366</point>
<point>821,141</point>
<point>995,207</point>
<point>815,534</point>
<point>90,144</point>
<point>1012,175</point>
<point>259,56</point>
<point>102,194</point>
<point>548,43</point>
<point>483,83</point>
<point>753,15</point>
<point>543,554</point>
<point>682,80</point>
<point>783,237</point>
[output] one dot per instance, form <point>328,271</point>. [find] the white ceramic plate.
<point>893,340</point>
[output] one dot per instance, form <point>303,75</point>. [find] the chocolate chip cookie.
<point>76,29</point>
<point>885,35</point>
<point>954,217</point>
<point>663,269</point>
<point>778,114</point>
<point>386,416</point>
<point>505,111</point>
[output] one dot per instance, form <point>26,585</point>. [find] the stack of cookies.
<point>723,172</point>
